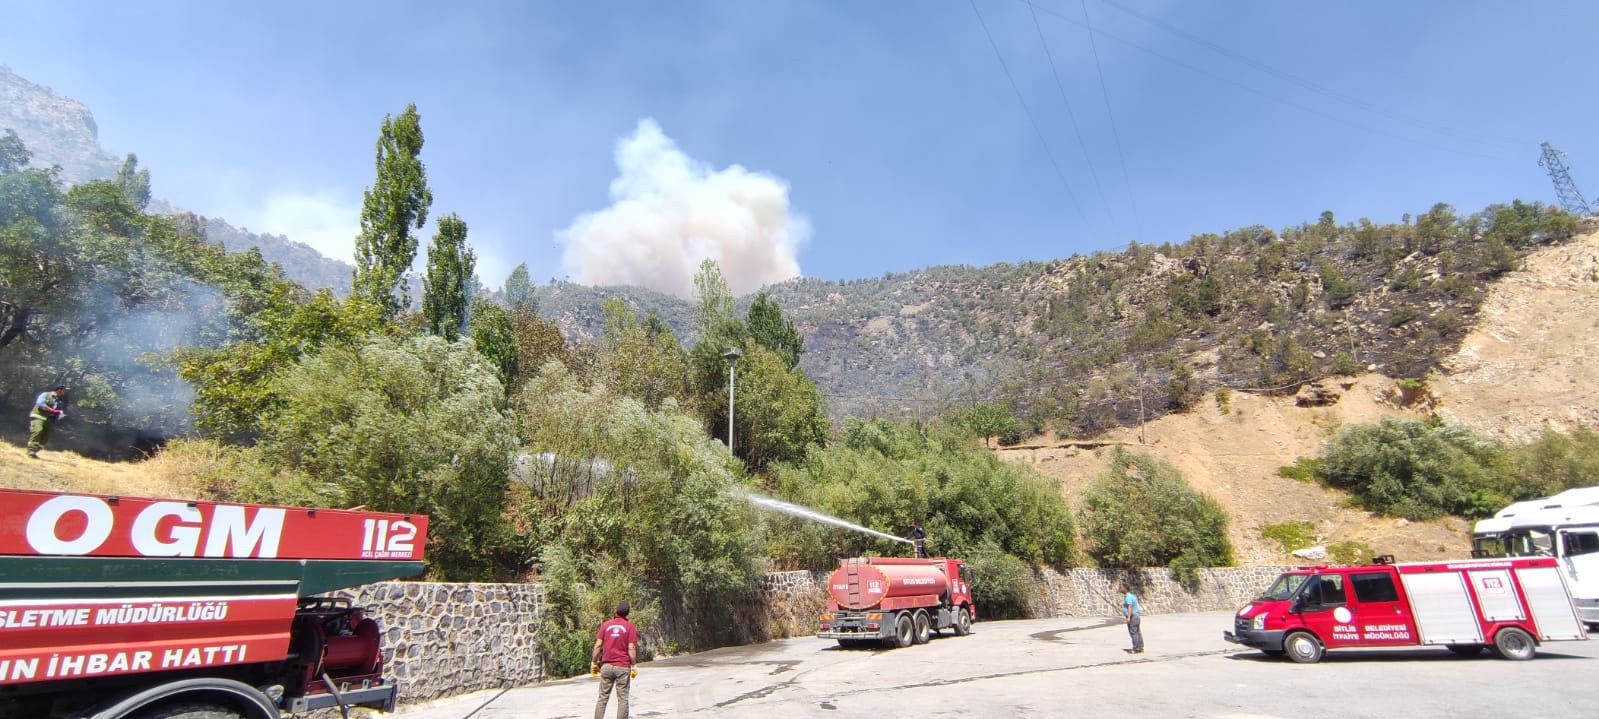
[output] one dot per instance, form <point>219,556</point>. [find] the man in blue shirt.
<point>1131,612</point>
<point>48,409</point>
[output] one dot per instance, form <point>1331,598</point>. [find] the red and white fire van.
<point>1511,605</point>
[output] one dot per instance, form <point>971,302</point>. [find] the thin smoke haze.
<point>778,505</point>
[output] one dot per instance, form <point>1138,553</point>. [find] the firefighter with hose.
<point>918,538</point>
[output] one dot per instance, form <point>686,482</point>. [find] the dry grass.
<point>68,472</point>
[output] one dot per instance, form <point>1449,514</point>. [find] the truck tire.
<point>1303,647</point>
<point>1466,650</point>
<point>922,628</point>
<point>188,710</point>
<point>1514,643</point>
<point>904,632</point>
<point>963,622</point>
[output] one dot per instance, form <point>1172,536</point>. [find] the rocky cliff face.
<point>61,131</point>
<point>58,130</point>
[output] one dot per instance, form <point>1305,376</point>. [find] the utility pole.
<point>1570,198</point>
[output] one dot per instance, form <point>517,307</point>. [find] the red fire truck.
<point>1510,605</point>
<point>897,601</point>
<point>116,607</point>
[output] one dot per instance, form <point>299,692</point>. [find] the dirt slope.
<point>1233,457</point>
<point>1532,361</point>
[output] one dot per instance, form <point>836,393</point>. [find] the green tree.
<point>494,335</point>
<point>519,288</point>
<point>641,360</point>
<point>134,182</point>
<point>537,341</point>
<point>779,413</point>
<point>632,503</point>
<point>769,329</point>
<point>396,204</point>
<point>446,290</point>
<point>405,425</point>
<point>14,154</point>
<point>1141,513</point>
<point>984,419</point>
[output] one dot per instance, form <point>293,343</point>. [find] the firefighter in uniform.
<point>48,409</point>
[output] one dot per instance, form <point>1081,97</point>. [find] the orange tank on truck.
<point>116,607</point>
<point>897,601</point>
<point>1509,606</point>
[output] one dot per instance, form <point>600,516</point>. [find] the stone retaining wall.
<point>445,639</point>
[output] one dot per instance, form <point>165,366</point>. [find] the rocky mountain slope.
<point>62,132</point>
<point>58,130</point>
<point>1531,361</point>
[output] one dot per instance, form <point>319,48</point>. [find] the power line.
<point>1076,127</point>
<point>1029,113</point>
<point>1099,68</point>
<point>1264,94</point>
<point>1301,82</point>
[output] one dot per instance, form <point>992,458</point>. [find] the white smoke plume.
<point>669,212</point>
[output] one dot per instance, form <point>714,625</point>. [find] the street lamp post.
<point>732,355</point>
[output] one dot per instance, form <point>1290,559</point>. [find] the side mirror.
<point>1295,605</point>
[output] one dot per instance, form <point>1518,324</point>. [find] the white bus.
<point>1565,526</point>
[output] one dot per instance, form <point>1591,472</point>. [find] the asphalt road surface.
<point>1069,668</point>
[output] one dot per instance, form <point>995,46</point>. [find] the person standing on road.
<point>48,409</point>
<point>615,652</point>
<point>918,539</point>
<point>1131,612</point>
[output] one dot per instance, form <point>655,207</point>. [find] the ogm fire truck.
<point>114,607</point>
<point>1510,605</point>
<point>897,601</point>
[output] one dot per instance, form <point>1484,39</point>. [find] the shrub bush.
<point>1140,513</point>
<point>1417,470</point>
<point>1291,536</point>
<point>882,475</point>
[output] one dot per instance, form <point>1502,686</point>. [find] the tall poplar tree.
<point>396,204</point>
<point>447,288</point>
<point>519,288</point>
<point>771,330</point>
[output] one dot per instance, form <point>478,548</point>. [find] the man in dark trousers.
<point>615,651</point>
<point>1131,611</point>
<point>918,539</point>
<point>48,409</point>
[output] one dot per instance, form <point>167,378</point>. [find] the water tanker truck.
<point>132,608</point>
<point>896,601</point>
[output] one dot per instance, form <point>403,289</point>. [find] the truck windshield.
<point>1526,543</point>
<point>1286,586</point>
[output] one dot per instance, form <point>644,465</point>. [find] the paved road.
<point>1069,668</point>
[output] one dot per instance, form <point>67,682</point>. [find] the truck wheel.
<point>1513,643</point>
<point>188,710</point>
<point>923,631</point>
<point>1466,650</point>
<point>963,622</point>
<point>904,632</point>
<point>1303,648</point>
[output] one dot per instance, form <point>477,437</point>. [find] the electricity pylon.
<point>1570,198</point>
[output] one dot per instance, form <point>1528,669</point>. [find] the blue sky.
<point>885,135</point>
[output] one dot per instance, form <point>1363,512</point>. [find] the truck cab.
<point>1338,606</point>
<point>1564,526</point>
